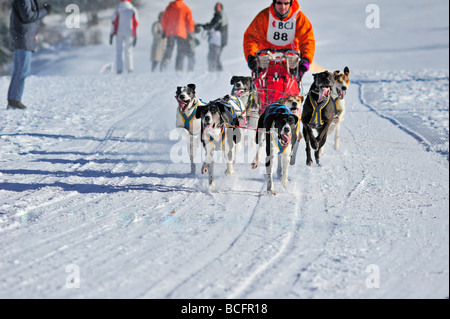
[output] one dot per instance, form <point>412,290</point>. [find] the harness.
<point>218,144</point>
<point>188,120</point>
<point>316,118</point>
<point>277,141</point>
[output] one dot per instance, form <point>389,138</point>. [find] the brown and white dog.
<point>340,87</point>
<point>318,114</point>
<point>218,133</point>
<point>277,127</point>
<point>186,122</point>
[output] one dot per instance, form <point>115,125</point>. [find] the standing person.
<point>24,26</point>
<point>159,43</point>
<point>281,26</point>
<point>124,27</point>
<point>178,26</point>
<point>217,37</point>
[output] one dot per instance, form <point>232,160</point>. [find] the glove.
<point>252,63</point>
<point>111,36</point>
<point>48,7</point>
<point>304,65</point>
<point>198,28</point>
<point>134,41</point>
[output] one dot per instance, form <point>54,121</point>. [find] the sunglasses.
<point>283,3</point>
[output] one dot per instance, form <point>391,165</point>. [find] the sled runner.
<point>278,75</point>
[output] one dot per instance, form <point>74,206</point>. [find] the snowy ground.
<point>94,181</point>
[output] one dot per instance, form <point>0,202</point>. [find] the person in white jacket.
<point>124,27</point>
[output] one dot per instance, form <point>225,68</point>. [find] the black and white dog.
<point>318,114</point>
<point>187,123</point>
<point>218,133</point>
<point>277,127</point>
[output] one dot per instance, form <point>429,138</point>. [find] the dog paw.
<point>255,165</point>
<point>336,146</point>
<point>309,163</point>
<point>284,182</point>
<point>204,168</point>
<point>229,172</point>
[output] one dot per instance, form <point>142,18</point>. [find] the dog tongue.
<point>238,93</point>
<point>324,92</point>
<point>286,139</point>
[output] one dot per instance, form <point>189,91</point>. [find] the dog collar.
<point>281,148</point>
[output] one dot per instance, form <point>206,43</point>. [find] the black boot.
<point>13,104</point>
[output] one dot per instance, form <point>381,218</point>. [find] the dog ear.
<point>346,71</point>
<point>178,90</point>
<point>233,80</point>
<point>337,72</point>
<point>192,86</point>
<point>198,113</point>
<point>295,118</point>
<point>302,99</point>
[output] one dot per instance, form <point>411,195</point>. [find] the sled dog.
<point>277,128</point>
<point>218,133</point>
<point>340,87</point>
<point>317,114</point>
<point>187,123</point>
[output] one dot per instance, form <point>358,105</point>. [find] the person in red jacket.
<point>124,27</point>
<point>178,26</point>
<point>281,26</point>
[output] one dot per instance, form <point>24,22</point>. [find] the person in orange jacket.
<point>280,26</point>
<point>178,26</point>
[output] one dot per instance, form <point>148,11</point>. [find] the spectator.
<point>24,26</point>
<point>124,27</point>
<point>159,43</point>
<point>178,26</point>
<point>217,37</point>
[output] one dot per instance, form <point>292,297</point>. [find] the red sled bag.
<point>276,79</point>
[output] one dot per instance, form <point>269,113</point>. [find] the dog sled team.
<point>279,47</point>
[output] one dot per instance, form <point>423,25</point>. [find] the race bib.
<point>281,33</point>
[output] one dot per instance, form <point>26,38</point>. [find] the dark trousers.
<point>214,63</point>
<point>183,50</point>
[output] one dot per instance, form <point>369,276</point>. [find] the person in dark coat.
<point>217,30</point>
<point>24,26</point>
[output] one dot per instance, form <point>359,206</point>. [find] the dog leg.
<point>212,184</point>
<point>308,149</point>
<point>269,163</point>
<point>259,151</point>
<point>336,137</point>
<point>279,166</point>
<point>192,151</point>
<point>294,153</point>
<point>229,154</point>
<point>284,178</point>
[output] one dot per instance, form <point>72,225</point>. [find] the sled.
<point>278,75</point>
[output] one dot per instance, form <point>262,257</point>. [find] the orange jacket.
<point>255,38</point>
<point>177,20</point>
